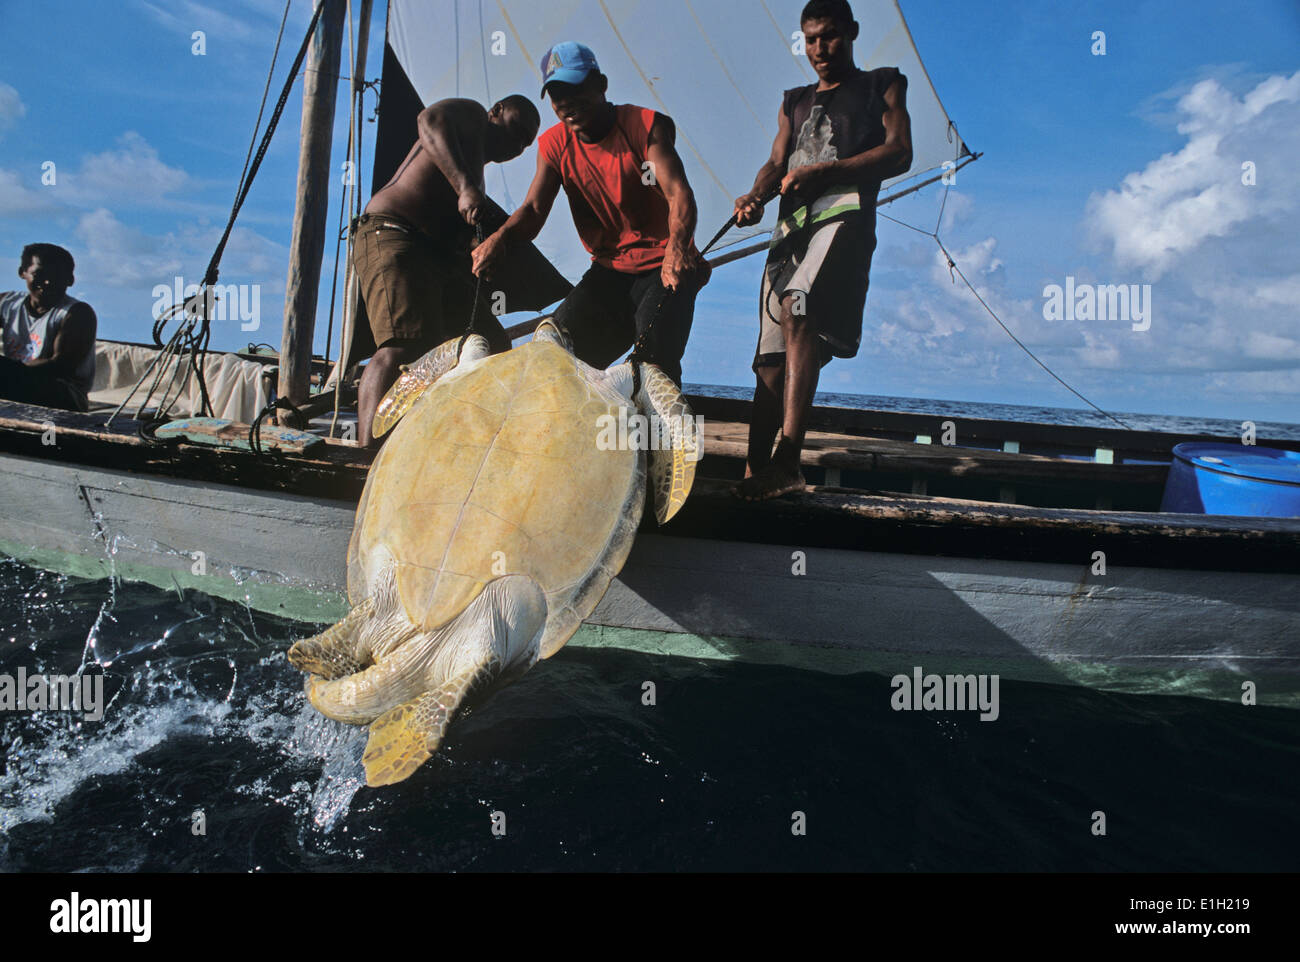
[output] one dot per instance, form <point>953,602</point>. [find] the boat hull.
<point>1140,629</point>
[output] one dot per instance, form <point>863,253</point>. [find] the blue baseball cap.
<point>567,62</point>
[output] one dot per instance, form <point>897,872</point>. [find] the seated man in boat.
<point>634,211</point>
<point>837,140</point>
<point>49,337</point>
<point>412,243</point>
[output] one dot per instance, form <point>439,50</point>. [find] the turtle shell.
<point>496,471</point>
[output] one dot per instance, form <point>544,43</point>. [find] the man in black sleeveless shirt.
<point>837,140</point>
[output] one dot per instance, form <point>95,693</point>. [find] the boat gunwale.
<point>824,516</point>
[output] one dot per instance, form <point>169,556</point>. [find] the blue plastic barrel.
<point>1233,479</point>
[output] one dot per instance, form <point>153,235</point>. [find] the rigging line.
<point>721,63</point>
<point>518,39</point>
<point>345,196</point>
<point>487,87</point>
<point>784,43</point>
<point>1032,355</point>
<point>275,54</point>
<point>649,86</point>
<point>926,74</point>
<point>352,197</point>
<point>952,266</point>
<point>210,276</point>
<point>455,7</point>
<point>199,343</point>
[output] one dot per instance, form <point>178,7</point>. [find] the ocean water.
<point>205,716</point>
<point>1081,417</point>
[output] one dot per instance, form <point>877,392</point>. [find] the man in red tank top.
<point>634,211</point>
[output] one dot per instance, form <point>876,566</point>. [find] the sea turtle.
<point>490,525</point>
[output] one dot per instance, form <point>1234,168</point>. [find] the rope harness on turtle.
<point>478,290</point>
<point>641,346</point>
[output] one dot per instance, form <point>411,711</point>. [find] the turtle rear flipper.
<point>420,376</point>
<point>405,738</point>
<point>496,635</point>
<point>673,458</point>
<point>402,695</point>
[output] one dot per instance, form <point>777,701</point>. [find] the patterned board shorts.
<point>827,269</point>
<point>413,289</point>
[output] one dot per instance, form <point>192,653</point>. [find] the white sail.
<point>718,69</point>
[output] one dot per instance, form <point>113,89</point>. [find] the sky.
<point>1166,165</point>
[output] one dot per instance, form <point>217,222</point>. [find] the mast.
<point>319,92</point>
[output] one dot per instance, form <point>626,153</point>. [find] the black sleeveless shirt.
<point>834,124</point>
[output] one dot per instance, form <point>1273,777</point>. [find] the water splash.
<point>340,747</point>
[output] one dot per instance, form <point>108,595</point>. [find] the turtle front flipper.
<point>338,650</point>
<point>677,442</point>
<point>405,738</point>
<point>417,378</point>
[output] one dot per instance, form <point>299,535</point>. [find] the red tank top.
<point>623,221</point>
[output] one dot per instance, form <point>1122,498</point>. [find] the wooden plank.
<point>956,527</point>
<point>838,451</point>
<point>1145,445</point>
<point>223,432</point>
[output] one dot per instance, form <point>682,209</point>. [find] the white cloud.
<point>1183,199</point>
<point>11,107</point>
<point>132,172</point>
<point>187,16</point>
<point>17,200</point>
<point>118,267</point>
<point>120,256</point>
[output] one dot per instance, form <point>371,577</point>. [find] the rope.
<point>196,344</point>
<point>952,267</point>
<point>255,429</point>
<point>345,196</point>
<point>210,277</point>
<point>275,54</point>
<point>356,109</point>
<point>487,88</point>
<point>478,289</point>
<point>642,343</point>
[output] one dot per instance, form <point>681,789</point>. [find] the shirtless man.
<point>49,338</point>
<point>837,140</point>
<point>411,252</point>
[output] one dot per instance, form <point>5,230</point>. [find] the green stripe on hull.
<point>258,590</point>
<point>325,606</point>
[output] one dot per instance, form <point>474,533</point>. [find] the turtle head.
<point>550,332</point>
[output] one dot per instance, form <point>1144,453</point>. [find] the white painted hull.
<point>1137,629</point>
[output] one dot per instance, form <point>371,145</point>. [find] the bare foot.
<point>773,481</point>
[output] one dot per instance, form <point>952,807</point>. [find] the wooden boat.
<point>1028,550</point>
<point>971,557</point>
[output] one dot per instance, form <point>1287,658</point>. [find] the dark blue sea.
<point>206,723</point>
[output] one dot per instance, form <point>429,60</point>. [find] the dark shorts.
<point>414,290</point>
<point>827,267</point>
<point>31,385</point>
<point>609,309</point>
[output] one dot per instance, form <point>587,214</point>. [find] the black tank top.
<point>838,123</point>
